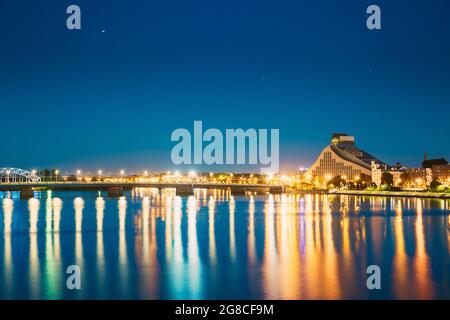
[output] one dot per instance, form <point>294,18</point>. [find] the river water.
<point>155,245</point>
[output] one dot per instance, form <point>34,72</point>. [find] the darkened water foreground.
<point>158,246</point>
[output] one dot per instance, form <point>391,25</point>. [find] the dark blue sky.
<point>92,99</point>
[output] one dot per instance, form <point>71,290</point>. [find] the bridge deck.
<point>130,185</point>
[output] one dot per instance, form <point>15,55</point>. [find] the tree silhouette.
<point>387,178</point>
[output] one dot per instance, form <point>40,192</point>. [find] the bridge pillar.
<point>115,192</point>
<point>26,193</point>
<point>185,190</point>
<point>237,190</point>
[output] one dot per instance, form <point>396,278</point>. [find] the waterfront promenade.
<point>415,194</point>
<point>184,188</point>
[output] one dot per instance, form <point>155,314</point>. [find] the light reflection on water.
<point>156,245</point>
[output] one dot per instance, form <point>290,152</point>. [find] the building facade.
<point>441,173</point>
<point>416,177</point>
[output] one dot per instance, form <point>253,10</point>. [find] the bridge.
<point>15,175</point>
<point>116,189</point>
<point>12,179</point>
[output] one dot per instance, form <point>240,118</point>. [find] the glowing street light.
<point>177,175</point>
<point>56,175</point>
<point>100,173</point>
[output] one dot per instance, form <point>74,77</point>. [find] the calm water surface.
<point>150,245</point>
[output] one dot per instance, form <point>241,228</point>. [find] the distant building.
<point>424,174</point>
<point>342,157</point>
<point>417,177</point>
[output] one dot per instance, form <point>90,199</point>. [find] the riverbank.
<point>415,194</point>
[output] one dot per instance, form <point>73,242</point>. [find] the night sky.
<point>109,95</point>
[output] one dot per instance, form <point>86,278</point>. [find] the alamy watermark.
<point>74,279</point>
<point>373,21</point>
<point>73,21</point>
<point>374,280</point>
<point>250,146</point>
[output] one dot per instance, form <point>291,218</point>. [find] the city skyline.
<point>140,167</point>
<point>109,95</point>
